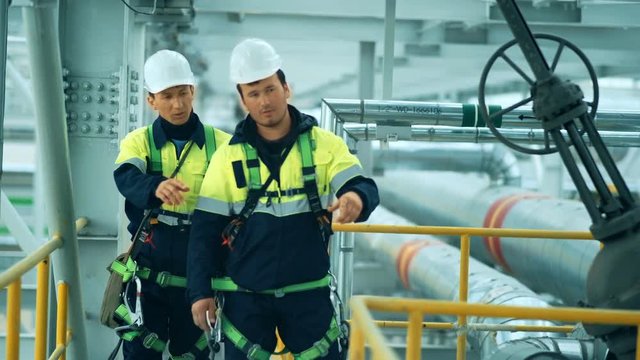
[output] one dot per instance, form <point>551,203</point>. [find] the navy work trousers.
<point>165,310</point>
<point>302,318</point>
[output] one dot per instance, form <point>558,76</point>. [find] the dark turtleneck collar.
<point>247,130</point>
<point>193,129</point>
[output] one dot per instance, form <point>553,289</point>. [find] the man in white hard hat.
<point>159,171</point>
<point>263,220</point>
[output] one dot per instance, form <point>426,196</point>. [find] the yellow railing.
<point>360,305</point>
<point>11,279</point>
<point>363,326</point>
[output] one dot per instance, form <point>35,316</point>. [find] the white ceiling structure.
<point>440,46</point>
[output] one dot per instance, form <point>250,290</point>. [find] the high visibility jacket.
<point>281,243</point>
<point>138,186</point>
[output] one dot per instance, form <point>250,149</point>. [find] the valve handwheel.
<point>490,119</point>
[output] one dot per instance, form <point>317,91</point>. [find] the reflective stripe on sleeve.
<point>139,163</point>
<point>345,175</point>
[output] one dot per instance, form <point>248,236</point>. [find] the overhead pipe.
<point>493,159</point>
<point>364,111</point>
<point>46,73</point>
<point>437,133</point>
<point>557,267</point>
<point>430,268</point>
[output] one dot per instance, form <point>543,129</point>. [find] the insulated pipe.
<point>430,268</point>
<point>493,159</point>
<point>558,267</point>
<point>438,133</point>
<point>44,54</point>
<point>458,115</point>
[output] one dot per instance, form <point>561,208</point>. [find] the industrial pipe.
<point>437,133</point>
<point>430,268</point>
<point>496,160</point>
<point>557,267</point>
<point>457,115</point>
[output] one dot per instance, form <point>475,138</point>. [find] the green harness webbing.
<point>226,284</point>
<point>163,278</point>
<point>256,352</point>
<point>306,152</point>
<point>150,340</point>
<point>155,158</point>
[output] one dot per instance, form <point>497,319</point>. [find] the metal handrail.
<point>364,327</point>
<point>21,267</point>
<point>415,324</point>
<point>435,325</point>
<point>11,278</point>
<point>450,230</point>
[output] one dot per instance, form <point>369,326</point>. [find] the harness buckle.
<point>163,278</point>
<point>149,340</point>
<point>185,356</point>
<point>254,352</point>
<point>323,347</point>
<point>279,293</point>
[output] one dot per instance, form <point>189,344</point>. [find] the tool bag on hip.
<point>112,297</point>
<point>114,292</point>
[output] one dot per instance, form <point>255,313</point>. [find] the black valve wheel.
<point>491,119</point>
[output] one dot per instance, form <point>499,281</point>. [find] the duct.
<point>436,133</point>
<point>557,267</point>
<point>458,115</point>
<point>431,268</point>
<point>493,159</point>
<point>41,28</point>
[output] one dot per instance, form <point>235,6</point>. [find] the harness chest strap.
<point>155,157</point>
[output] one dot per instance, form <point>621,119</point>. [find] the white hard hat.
<point>165,69</point>
<point>253,60</point>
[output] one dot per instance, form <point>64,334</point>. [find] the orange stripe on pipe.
<point>405,253</point>
<point>495,219</point>
<point>408,252</point>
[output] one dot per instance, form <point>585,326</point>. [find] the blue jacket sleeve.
<point>137,187</point>
<point>205,253</point>
<point>367,189</point>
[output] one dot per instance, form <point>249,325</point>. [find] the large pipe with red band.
<point>430,268</point>
<point>558,267</point>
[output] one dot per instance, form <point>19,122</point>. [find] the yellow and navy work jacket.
<point>138,185</point>
<point>281,243</point>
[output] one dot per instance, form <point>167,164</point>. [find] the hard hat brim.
<point>254,76</point>
<point>158,88</point>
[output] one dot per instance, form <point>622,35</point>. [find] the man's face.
<point>266,101</point>
<point>173,104</point>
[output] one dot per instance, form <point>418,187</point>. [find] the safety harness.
<point>256,190</point>
<point>129,270</point>
<point>155,158</point>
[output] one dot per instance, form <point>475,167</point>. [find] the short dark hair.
<point>281,77</point>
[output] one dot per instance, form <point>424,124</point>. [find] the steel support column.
<point>46,68</point>
<point>4,28</point>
